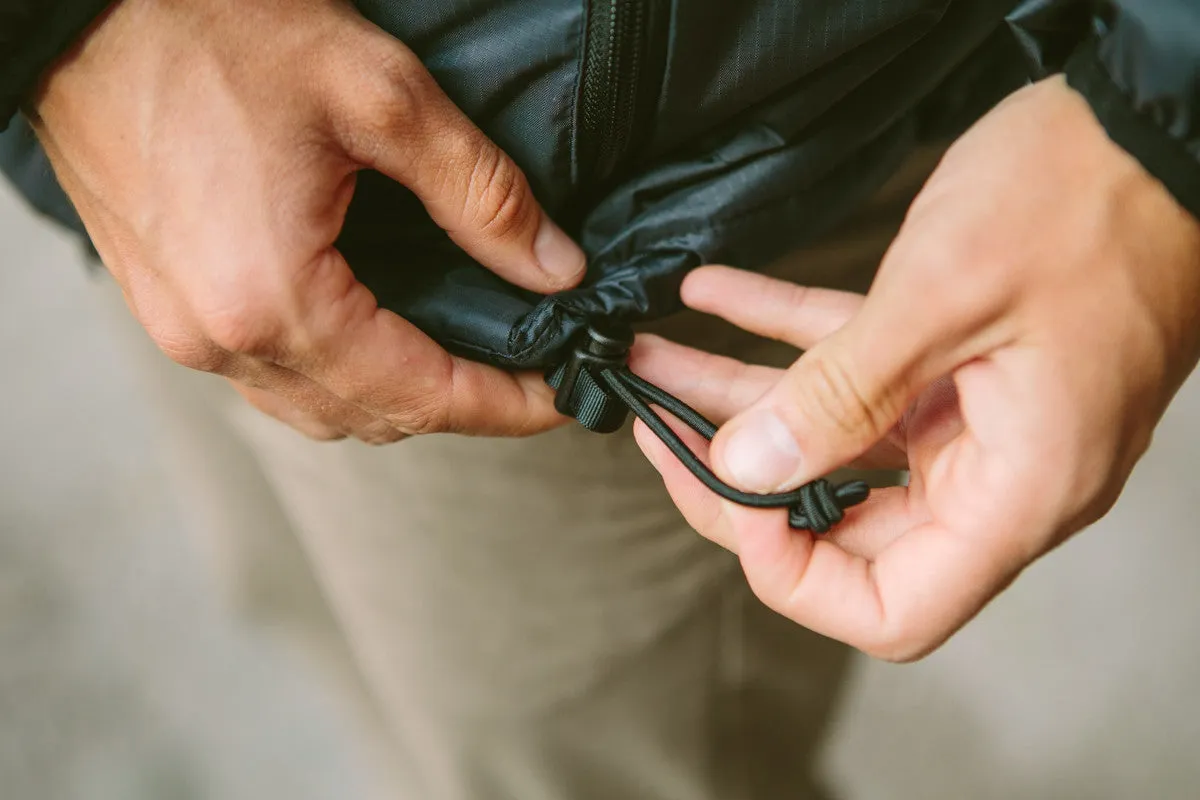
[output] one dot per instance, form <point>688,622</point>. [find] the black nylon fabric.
<point>766,122</point>
<point>1149,48</point>
<point>34,33</point>
<point>27,167</point>
<point>1138,63</point>
<point>773,120</point>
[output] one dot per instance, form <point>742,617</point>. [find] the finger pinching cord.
<point>595,386</point>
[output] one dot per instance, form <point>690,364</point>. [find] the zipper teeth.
<point>612,66</point>
<point>615,98</point>
<point>612,73</point>
<point>598,64</point>
<point>627,94</point>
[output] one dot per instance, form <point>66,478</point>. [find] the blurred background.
<point>131,670</point>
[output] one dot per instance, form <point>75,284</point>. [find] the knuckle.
<point>392,92</point>
<point>242,337</point>
<point>897,652</point>
<point>1093,477</point>
<point>428,407</point>
<point>321,433</point>
<point>421,422</point>
<point>498,201</point>
<point>898,644</point>
<point>243,329</point>
<point>380,433</point>
<point>795,297</point>
<point>189,350</point>
<point>421,414</point>
<point>832,394</point>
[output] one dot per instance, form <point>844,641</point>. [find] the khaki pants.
<point>527,619</point>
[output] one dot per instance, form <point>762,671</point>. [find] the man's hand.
<point>1034,317</point>
<point>211,149</point>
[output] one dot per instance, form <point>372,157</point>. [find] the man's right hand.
<point>211,148</point>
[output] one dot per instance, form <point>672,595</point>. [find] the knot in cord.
<point>594,385</point>
<point>823,505</point>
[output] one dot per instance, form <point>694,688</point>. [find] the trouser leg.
<point>533,618</point>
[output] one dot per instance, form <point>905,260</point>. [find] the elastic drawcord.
<point>596,387</point>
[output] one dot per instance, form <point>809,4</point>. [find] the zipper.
<point>615,103</point>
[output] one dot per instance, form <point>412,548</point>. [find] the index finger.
<point>798,315</point>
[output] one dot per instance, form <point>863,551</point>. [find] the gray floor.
<point>126,674</point>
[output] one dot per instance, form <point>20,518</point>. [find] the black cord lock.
<point>580,394</point>
<point>595,386</point>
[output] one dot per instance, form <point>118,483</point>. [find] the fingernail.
<point>556,254</point>
<point>762,455</point>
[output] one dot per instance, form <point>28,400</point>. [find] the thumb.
<point>841,398</point>
<point>405,127</point>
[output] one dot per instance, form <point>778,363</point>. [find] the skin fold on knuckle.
<point>1089,483</point>
<point>497,202</point>
<point>190,350</point>
<point>899,638</point>
<point>424,407</point>
<point>331,307</point>
<point>422,422</point>
<point>379,433</point>
<point>796,299</point>
<point>900,649</point>
<point>826,395</point>
<point>245,331</point>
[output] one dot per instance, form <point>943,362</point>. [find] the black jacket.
<point>665,135</point>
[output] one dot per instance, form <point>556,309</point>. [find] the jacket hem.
<point>1163,156</point>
